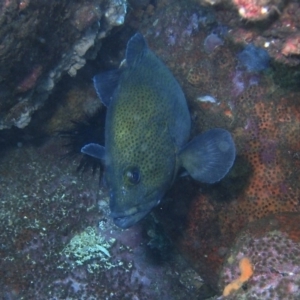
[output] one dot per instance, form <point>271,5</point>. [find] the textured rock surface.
<point>41,41</point>
<point>58,242</point>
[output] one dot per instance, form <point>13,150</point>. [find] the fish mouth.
<point>125,222</point>
<point>128,218</point>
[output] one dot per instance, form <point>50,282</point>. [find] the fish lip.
<point>126,219</point>
<point>125,222</point>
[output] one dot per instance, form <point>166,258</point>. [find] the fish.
<point>147,132</point>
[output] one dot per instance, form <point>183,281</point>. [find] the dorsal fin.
<point>105,85</point>
<point>136,48</point>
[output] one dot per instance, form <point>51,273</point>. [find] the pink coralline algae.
<point>255,10</point>
<point>269,24</point>
<point>292,45</point>
<point>23,4</point>
<point>273,246</point>
<point>30,81</point>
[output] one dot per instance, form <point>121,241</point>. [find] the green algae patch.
<point>91,249</point>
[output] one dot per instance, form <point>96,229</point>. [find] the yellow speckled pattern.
<point>147,121</point>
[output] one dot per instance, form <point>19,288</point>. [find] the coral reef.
<point>269,24</point>
<point>269,135</point>
<point>259,106</point>
<point>273,26</point>
<point>272,245</point>
<point>264,180</point>
<point>256,10</point>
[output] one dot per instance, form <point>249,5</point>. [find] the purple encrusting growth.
<point>254,59</point>
<point>211,42</point>
<point>252,127</point>
<point>276,262</point>
<point>171,36</point>
<point>179,34</point>
<point>268,153</point>
<point>186,24</point>
<point>242,80</point>
<point>238,83</point>
<point>193,25</point>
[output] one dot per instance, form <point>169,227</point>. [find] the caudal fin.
<point>209,156</point>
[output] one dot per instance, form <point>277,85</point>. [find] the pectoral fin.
<point>94,150</point>
<point>209,156</point>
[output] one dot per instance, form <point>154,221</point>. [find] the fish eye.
<point>132,175</point>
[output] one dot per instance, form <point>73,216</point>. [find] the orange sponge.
<point>246,272</point>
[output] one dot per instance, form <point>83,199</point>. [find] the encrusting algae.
<point>246,272</point>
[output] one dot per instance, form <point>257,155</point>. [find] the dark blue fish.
<point>146,136</point>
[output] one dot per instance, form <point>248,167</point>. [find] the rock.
<point>41,41</point>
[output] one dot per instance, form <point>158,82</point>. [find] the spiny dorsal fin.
<point>136,47</point>
<point>105,84</point>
